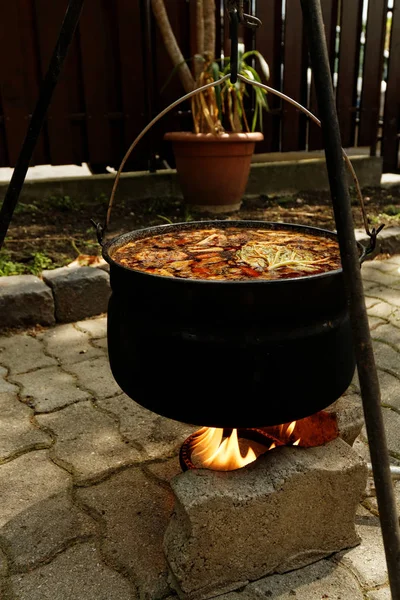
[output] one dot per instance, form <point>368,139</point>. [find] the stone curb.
<point>290,174</point>
<point>66,295</point>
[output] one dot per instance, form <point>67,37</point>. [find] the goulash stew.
<point>231,253</point>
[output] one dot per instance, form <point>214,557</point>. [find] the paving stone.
<point>77,574</point>
<point>375,323</point>
<point>97,328</point>
<point>321,580</point>
<point>382,594</point>
<point>25,301</point>
<point>158,436</point>
<point>165,470</point>
<point>382,310</point>
<point>78,293</point>
<point>370,301</point>
<point>389,334</point>
<point>96,376</point>
<point>50,389</point>
<point>392,296</point>
<point>393,260</point>
<point>390,389</point>
<point>371,502</point>
<point>3,565</point>
<point>22,353</point>
<point>6,386</point>
<point>382,265</point>
<point>381,278</point>
<point>272,516</point>
<point>391,421</point>
<point>136,510</point>
<point>89,441</point>
<point>100,343</point>
<point>366,561</point>
<point>386,357</point>
<point>69,345</point>
<point>27,481</point>
<point>17,432</point>
<point>41,532</point>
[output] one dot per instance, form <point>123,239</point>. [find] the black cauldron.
<point>229,353</point>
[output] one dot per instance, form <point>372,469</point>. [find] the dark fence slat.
<point>100,81</point>
<point>131,52</point>
<point>4,162</point>
<point>391,127</point>
<point>268,43</point>
<point>179,16</point>
<point>329,12</point>
<point>49,17</point>
<point>294,80</point>
<point>372,73</point>
<point>350,30</point>
<point>19,76</point>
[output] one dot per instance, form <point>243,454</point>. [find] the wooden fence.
<point>113,82</point>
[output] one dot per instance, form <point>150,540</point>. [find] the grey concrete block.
<point>25,301</point>
<point>350,416</point>
<point>288,509</point>
<point>78,293</point>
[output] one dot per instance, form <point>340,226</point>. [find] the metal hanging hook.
<point>244,19</point>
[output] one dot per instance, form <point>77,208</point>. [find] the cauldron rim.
<point>160,229</point>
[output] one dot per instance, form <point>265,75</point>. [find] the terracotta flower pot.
<point>213,169</point>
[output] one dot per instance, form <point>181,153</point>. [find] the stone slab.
<point>50,389</point>
<point>135,510</point>
<point>6,386</point>
<point>21,353</point>
<point>96,328</point>
<point>95,375</point>
<point>17,432</point>
<point>78,293</point>
<point>25,301</point>
<point>315,582</point>
<point>382,594</point>
<point>158,437</point>
<point>47,528</point>
<point>367,561</point>
<point>26,481</point>
<point>288,509</point>
<point>69,345</point>
<point>88,441</point>
<point>78,573</point>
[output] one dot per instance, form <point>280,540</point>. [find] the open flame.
<point>211,450</point>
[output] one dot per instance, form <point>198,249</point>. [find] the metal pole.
<point>66,34</point>
<point>361,336</point>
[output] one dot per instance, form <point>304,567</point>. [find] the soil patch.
<point>55,231</point>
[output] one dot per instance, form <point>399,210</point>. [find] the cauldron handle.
<point>102,229</point>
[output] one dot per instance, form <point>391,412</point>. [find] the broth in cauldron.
<point>231,253</point>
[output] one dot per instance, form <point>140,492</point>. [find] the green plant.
<point>62,203</point>
<point>220,107</point>
<point>38,263</point>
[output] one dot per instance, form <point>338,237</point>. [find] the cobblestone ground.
<point>84,473</point>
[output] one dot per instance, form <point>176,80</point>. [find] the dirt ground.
<point>55,231</point>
